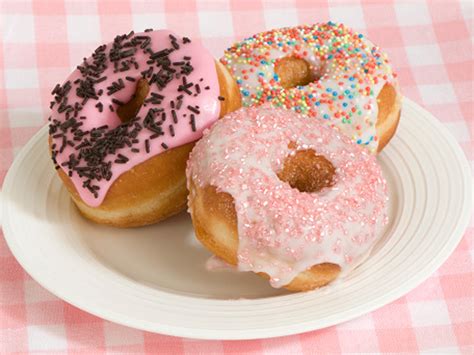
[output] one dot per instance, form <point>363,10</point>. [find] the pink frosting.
<point>283,231</point>
<point>201,98</point>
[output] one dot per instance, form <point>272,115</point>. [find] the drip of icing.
<point>353,71</point>
<point>215,263</point>
<point>283,231</point>
<point>142,143</point>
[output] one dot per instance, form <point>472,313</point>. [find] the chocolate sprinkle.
<point>180,102</point>
<point>193,123</point>
<point>118,102</point>
<point>99,106</point>
<point>185,86</point>
<point>193,109</point>
<point>121,159</point>
<point>116,86</point>
<point>100,80</point>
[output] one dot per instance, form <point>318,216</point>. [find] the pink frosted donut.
<point>123,123</point>
<point>285,196</point>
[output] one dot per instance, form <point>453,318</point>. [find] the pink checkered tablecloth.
<point>430,44</point>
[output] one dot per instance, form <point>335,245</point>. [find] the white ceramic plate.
<point>154,278</point>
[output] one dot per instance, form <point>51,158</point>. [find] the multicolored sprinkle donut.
<point>326,71</point>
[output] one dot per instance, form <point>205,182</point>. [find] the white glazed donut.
<point>285,196</point>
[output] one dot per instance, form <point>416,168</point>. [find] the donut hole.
<point>293,72</point>
<point>130,109</point>
<point>307,172</point>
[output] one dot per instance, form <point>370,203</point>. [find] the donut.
<point>284,196</point>
<point>124,121</point>
<point>326,71</point>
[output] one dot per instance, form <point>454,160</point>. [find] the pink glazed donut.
<point>123,123</point>
<point>285,196</point>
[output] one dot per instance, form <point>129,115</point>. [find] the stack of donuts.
<point>272,148</point>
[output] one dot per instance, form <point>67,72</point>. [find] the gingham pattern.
<point>430,44</point>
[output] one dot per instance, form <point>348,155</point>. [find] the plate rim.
<point>202,333</point>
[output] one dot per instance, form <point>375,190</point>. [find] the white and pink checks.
<point>430,44</point>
